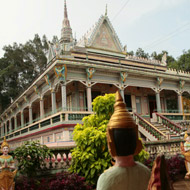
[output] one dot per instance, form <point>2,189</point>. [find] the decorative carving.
<point>123,76</point>
<point>36,89</point>
<point>164,59</point>
<point>181,84</point>
<point>90,72</point>
<point>159,81</point>
<point>25,98</point>
<point>61,72</point>
<point>17,105</point>
<point>48,82</point>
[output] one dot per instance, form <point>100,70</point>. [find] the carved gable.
<point>104,38</point>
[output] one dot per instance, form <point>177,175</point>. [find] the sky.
<point>153,25</point>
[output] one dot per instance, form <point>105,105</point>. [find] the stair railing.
<point>159,135</point>
<point>168,123</point>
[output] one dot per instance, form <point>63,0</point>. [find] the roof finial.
<point>65,10</point>
<point>106,12</point>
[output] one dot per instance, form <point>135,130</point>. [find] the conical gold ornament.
<point>121,119</point>
<point>4,143</point>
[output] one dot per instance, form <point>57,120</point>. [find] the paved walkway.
<point>182,185</point>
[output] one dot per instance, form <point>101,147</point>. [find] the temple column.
<point>15,119</point>
<point>180,104</point>
<point>22,118</point>
<point>158,105</point>
<point>30,115</point>
<point>89,98</point>
<point>10,125</point>
<point>64,97</point>
<point>6,127</point>
<point>41,108</point>
<point>53,101</point>
<point>122,94</point>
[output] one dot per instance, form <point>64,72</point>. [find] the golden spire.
<point>4,143</point>
<point>121,118</point>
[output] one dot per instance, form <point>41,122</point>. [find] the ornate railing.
<point>61,159</point>
<point>169,124</point>
<point>166,147</point>
<point>60,117</point>
<point>149,127</point>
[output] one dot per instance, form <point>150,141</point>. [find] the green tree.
<point>31,156</point>
<point>183,62</point>
<point>171,62</point>
<point>141,53</point>
<point>91,156</point>
<point>19,66</point>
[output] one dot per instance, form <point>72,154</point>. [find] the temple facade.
<point>79,71</point>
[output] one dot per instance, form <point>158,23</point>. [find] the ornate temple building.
<point>79,71</point>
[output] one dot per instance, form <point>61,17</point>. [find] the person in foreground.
<point>6,167</point>
<point>123,144</point>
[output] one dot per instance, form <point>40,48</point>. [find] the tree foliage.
<point>91,156</point>
<point>31,156</point>
<point>19,66</point>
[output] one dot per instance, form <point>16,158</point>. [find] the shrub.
<point>68,181</point>
<point>60,181</point>
<point>176,167</point>
<point>31,156</point>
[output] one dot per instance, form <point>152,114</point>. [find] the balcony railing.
<point>48,120</point>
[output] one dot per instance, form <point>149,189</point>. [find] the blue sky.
<point>152,25</point>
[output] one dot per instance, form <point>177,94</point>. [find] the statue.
<point>159,177</point>
<point>6,167</point>
<point>185,150</point>
<point>123,144</point>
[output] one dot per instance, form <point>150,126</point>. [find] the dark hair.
<point>125,141</point>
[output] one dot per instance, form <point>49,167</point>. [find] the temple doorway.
<point>152,104</point>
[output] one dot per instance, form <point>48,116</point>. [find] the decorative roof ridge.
<point>141,59</point>
<point>170,70</point>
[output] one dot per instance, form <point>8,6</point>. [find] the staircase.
<point>160,130</point>
<point>168,132</point>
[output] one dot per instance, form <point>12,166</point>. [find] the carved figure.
<point>90,72</point>
<point>185,150</point>
<point>61,72</point>
<point>123,144</point>
<point>123,76</point>
<point>159,177</point>
<point>164,59</point>
<point>6,167</point>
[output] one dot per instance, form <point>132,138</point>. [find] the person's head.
<point>122,131</point>
<point>5,147</point>
<point>5,150</point>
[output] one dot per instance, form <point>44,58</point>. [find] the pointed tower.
<point>66,31</point>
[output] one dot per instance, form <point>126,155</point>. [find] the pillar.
<point>122,94</point>
<point>10,125</point>
<point>158,105</point>
<point>22,118</point>
<point>180,104</point>
<point>5,127</point>
<point>15,118</point>
<point>53,101</point>
<point>89,98</point>
<point>133,102</point>
<point>30,115</point>
<point>64,97</point>
<point>41,108</point>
